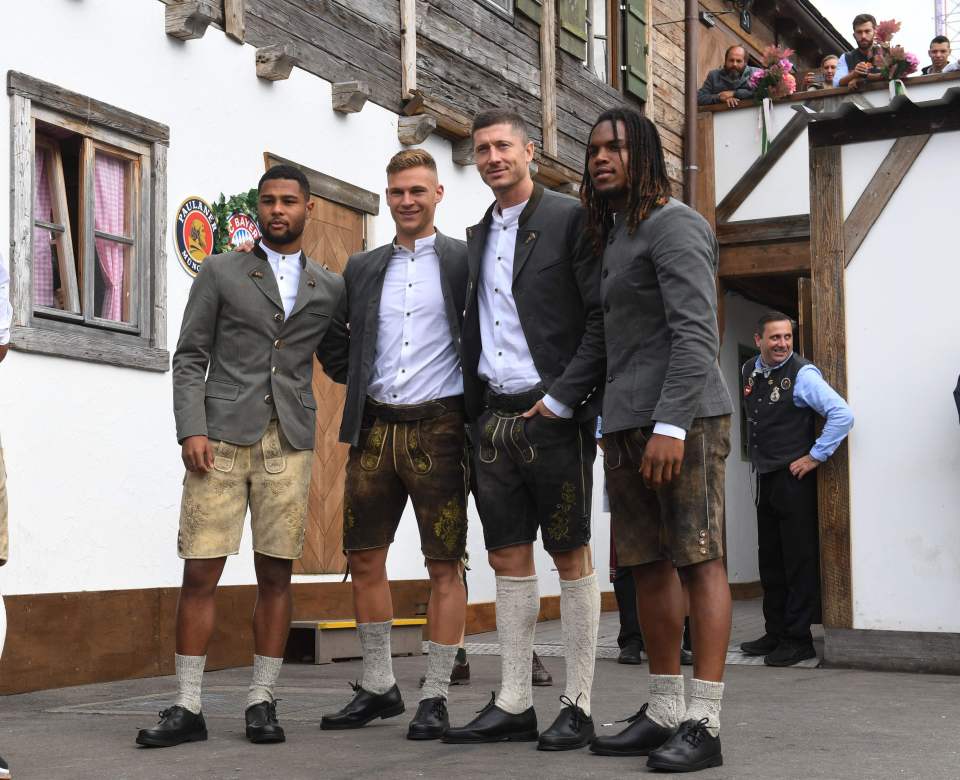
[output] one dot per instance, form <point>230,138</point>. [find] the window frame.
<point>114,131</point>
<point>494,6</point>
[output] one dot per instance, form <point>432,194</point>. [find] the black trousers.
<point>626,594</point>
<point>789,553</point>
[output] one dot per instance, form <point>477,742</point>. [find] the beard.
<point>291,234</point>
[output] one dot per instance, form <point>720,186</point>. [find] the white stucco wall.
<point>93,465</point>
<point>902,364</point>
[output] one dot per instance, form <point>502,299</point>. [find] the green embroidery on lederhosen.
<point>419,458</point>
<point>559,527</point>
<point>373,446</point>
<point>488,446</point>
<point>349,519</point>
<point>449,524</point>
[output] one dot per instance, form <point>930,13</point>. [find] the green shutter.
<point>573,27</point>
<point>530,8</point>
<point>635,48</point>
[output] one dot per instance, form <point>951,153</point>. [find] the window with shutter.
<point>530,9</point>
<point>635,48</point>
<point>573,27</point>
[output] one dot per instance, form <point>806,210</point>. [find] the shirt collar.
<point>761,366</point>
<point>508,217</point>
<point>275,256</point>
<point>420,245</point>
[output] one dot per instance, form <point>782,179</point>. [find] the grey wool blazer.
<point>238,356</point>
<point>659,294</point>
<point>364,276</point>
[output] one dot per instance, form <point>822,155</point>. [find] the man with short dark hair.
<point>666,433</point>
<point>857,66</point>
<point>246,420</point>
<point>729,84</point>
<point>533,366</point>
<point>940,57</point>
<point>782,394</point>
<point>404,421</point>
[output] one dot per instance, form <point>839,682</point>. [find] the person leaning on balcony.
<point>856,66</point>
<point>825,76</point>
<point>729,84</point>
<point>940,57</point>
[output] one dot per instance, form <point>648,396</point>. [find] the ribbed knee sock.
<point>580,620</point>
<point>189,680</point>
<point>266,670</point>
<point>440,660</point>
<point>518,604</point>
<point>665,705</point>
<point>705,698</point>
<point>377,662</point>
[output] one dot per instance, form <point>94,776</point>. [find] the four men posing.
<point>512,340</point>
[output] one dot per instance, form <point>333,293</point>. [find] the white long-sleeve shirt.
<point>286,268</point>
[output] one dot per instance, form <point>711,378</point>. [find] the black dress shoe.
<point>637,739</point>
<point>573,729</point>
<point>495,725</point>
<point>790,652</point>
<point>690,749</point>
<point>177,724</point>
<point>363,708</point>
<point>538,672</point>
<point>431,720</point>
<point>762,646</point>
<point>631,654</point>
<point>686,657</point>
<point>4,769</point>
<point>262,723</point>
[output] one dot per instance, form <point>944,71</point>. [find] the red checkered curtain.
<point>42,251</point>
<point>109,175</point>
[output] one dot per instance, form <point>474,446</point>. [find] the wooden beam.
<point>756,231</point>
<point>349,97</point>
<point>412,130</point>
<point>233,19</point>
<point>877,195</point>
<point>187,20</point>
<point>275,62</point>
<point>451,122</point>
<point>408,48</point>
<point>463,151</point>
<point>829,345</point>
<point>548,76</point>
<point>805,317</point>
<point>770,259</point>
<point>705,197</point>
<point>761,167</point>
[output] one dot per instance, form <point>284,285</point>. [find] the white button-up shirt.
<point>6,313</point>
<point>505,360</point>
<point>416,360</point>
<point>286,269</point>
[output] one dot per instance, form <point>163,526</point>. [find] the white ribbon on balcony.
<point>766,128</point>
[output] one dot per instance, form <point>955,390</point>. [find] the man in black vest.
<point>782,393</point>
<point>857,66</point>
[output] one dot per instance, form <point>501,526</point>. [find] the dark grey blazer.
<point>238,356</point>
<point>364,277</point>
<point>660,318</point>
<point>556,285</point>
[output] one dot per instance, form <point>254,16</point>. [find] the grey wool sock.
<point>518,604</point>
<point>266,670</point>
<point>580,620</point>
<point>705,698</point>
<point>665,705</point>
<point>440,660</point>
<point>189,679</point>
<point>377,663</point>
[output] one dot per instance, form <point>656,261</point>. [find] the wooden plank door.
<point>333,233</point>
<point>805,320</point>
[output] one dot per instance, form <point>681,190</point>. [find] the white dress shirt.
<point>505,360</point>
<point>6,313</point>
<point>286,269</point>
<point>416,360</point>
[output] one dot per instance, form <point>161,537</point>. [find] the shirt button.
<point>278,317</point>
<point>606,273</point>
<point>498,322</point>
<point>403,371</point>
<point>610,378</point>
<point>268,398</point>
<point>410,285</point>
<point>496,289</point>
<point>406,343</point>
<point>499,354</point>
<point>408,314</point>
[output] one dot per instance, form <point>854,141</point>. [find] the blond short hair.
<point>411,158</point>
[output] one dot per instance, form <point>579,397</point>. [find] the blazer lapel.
<point>526,237</point>
<point>378,267</point>
<point>259,270</point>
<point>445,285</point>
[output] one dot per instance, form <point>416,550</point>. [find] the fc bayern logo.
<point>242,228</point>
<point>194,234</point>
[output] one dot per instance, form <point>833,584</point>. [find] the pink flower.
<point>886,30</point>
<point>912,62</point>
<point>786,66</point>
<point>790,82</point>
<point>755,78</point>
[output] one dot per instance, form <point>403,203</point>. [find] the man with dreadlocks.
<point>666,433</point>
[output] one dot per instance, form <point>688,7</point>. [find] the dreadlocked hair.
<point>648,185</point>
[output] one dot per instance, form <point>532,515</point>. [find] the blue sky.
<point>916,16</point>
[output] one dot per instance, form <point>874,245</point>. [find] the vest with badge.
<point>778,431</point>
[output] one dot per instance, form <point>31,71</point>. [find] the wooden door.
<point>805,320</point>
<point>332,234</point>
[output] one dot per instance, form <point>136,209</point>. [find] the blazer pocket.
<point>306,398</point>
<point>552,265</point>
<point>227,391</point>
<point>317,313</point>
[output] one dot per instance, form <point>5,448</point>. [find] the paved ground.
<point>792,723</point>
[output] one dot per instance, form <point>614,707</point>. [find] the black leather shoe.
<point>790,652</point>
<point>631,654</point>
<point>691,749</point>
<point>177,724</point>
<point>573,729</point>
<point>363,708</point>
<point>538,672</point>
<point>686,657</point>
<point>762,646</point>
<point>431,720</point>
<point>4,769</point>
<point>637,739</point>
<point>262,723</point>
<point>495,725</point>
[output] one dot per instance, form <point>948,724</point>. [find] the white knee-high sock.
<point>518,604</point>
<point>440,660</point>
<point>666,705</point>
<point>580,620</point>
<point>377,661</point>
<point>189,680</point>
<point>266,671</point>
<point>705,698</point>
